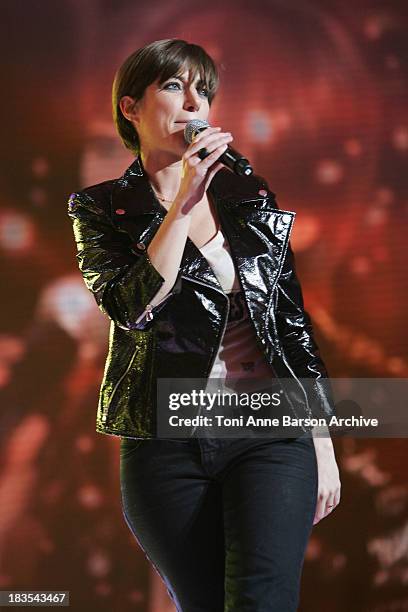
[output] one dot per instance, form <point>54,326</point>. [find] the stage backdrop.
<point>315,93</point>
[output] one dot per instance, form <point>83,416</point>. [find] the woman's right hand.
<point>197,173</point>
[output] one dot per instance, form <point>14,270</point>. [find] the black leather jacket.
<point>114,221</point>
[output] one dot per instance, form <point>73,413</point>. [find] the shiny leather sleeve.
<point>122,280</point>
<point>296,336</point>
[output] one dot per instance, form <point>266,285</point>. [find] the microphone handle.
<point>232,159</point>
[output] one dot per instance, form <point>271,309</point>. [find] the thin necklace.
<point>161,197</point>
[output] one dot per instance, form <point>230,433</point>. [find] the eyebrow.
<point>200,80</point>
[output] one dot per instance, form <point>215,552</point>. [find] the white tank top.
<point>239,355</point>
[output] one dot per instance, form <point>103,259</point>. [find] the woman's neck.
<point>164,173</point>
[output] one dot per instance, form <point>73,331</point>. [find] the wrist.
<point>182,207</point>
<point>323,444</point>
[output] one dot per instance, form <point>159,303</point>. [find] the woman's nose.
<point>192,101</point>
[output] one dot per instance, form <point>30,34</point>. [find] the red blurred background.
<point>315,94</point>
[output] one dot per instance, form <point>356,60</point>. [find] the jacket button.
<point>120,211</point>
<point>141,246</point>
<point>263,192</point>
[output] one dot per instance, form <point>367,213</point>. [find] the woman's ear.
<point>129,108</point>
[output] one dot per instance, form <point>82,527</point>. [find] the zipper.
<point>106,410</point>
<point>150,310</point>
<point>292,372</point>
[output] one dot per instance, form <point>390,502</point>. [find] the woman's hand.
<point>328,495</point>
<point>197,173</point>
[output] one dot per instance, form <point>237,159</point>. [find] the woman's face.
<point>160,116</point>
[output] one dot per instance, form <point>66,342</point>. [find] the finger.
<point>320,509</point>
<point>208,130</point>
<point>337,497</point>
<point>204,133</point>
<point>212,139</point>
<point>317,518</point>
<point>203,166</point>
<point>209,159</point>
<point>330,504</point>
<point>209,147</point>
<point>209,143</point>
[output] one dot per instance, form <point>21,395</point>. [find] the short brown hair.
<point>160,60</point>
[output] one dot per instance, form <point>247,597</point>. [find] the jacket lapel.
<point>132,197</point>
<point>255,229</point>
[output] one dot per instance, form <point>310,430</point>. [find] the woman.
<point>179,253</point>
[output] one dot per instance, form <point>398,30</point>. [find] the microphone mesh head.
<point>192,127</point>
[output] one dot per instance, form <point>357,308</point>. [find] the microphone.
<point>230,158</point>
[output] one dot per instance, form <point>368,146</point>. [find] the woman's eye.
<point>203,89</point>
<point>172,83</point>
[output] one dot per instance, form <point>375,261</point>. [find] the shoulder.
<point>96,196</point>
<point>98,192</point>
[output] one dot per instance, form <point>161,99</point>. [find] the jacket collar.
<point>240,209</point>
<point>133,189</point>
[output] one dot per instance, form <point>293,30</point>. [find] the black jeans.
<point>225,522</point>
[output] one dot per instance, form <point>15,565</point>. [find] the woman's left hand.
<point>328,495</point>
